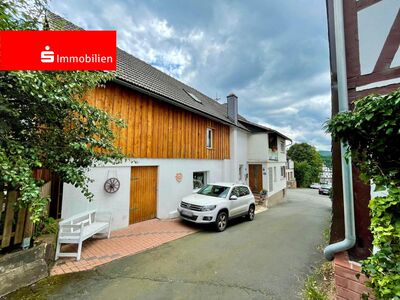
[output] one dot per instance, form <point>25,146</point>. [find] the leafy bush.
<point>307,163</point>
<point>48,226</point>
<point>46,121</point>
<point>372,132</point>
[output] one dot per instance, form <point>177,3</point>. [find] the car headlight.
<point>208,207</point>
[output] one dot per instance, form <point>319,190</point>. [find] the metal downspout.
<point>347,178</point>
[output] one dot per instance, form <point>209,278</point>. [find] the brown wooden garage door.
<point>143,200</point>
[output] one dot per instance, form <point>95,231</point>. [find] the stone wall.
<point>25,267</point>
<point>350,282</point>
<point>277,198</point>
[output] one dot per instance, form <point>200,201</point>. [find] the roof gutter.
<point>165,99</point>
<point>347,179</point>
<point>269,130</point>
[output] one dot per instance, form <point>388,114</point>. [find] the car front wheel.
<point>251,213</point>
<point>221,221</point>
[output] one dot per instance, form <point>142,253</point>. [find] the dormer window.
<point>194,97</point>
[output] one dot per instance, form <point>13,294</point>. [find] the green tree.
<point>45,121</point>
<point>307,163</point>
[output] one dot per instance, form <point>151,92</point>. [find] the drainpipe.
<point>347,179</point>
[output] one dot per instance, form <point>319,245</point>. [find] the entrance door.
<point>255,178</point>
<point>143,199</point>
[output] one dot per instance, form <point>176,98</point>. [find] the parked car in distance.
<point>315,185</point>
<point>217,203</point>
<point>325,189</point>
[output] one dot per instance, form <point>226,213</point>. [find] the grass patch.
<point>321,284</point>
<point>312,291</point>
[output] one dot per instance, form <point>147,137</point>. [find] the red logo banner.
<point>58,50</point>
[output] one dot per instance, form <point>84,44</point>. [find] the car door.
<point>234,204</point>
<point>244,199</point>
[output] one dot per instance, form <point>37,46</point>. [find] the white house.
<point>291,179</point>
<point>177,139</point>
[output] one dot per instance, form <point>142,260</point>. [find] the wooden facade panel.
<point>159,130</point>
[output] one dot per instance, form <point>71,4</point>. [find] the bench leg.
<point>109,231</point>
<point>78,257</point>
<point>58,249</point>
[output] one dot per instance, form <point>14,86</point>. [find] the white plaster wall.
<point>280,182</point>
<point>169,193</point>
<point>117,203</point>
<point>239,147</point>
<point>374,23</point>
<point>281,155</point>
<point>258,147</point>
<point>242,156</point>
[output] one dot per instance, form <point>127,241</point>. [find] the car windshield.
<point>326,186</point>
<point>214,191</point>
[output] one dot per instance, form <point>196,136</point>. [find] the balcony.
<point>272,155</point>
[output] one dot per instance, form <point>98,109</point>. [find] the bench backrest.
<point>85,217</point>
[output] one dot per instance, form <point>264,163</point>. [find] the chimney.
<point>232,104</point>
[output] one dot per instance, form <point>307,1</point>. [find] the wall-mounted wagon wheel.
<point>111,185</point>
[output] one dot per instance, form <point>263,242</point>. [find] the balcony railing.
<point>272,155</point>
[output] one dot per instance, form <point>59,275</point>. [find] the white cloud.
<point>272,54</point>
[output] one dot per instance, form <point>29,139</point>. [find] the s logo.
<point>47,56</point>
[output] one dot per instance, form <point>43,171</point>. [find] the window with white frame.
<point>282,146</point>
<point>283,171</point>
<point>199,179</point>
<point>275,174</point>
<point>209,138</point>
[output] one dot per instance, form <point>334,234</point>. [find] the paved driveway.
<point>264,259</point>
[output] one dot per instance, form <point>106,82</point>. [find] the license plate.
<point>187,213</point>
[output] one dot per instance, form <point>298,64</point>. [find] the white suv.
<point>217,203</point>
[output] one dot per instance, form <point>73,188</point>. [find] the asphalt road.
<point>268,258</point>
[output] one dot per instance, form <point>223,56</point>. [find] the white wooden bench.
<point>80,227</point>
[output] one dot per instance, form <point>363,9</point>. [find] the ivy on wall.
<point>372,131</point>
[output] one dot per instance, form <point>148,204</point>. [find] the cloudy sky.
<point>272,54</point>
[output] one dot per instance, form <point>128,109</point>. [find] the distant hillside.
<point>325,153</point>
<point>326,157</point>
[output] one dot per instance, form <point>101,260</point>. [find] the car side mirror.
<point>233,197</point>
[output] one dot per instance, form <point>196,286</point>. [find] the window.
<point>283,170</point>
<point>283,146</point>
<point>236,192</point>
<point>193,96</point>
<point>214,191</point>
<point>275,174</point>
<point>209,139</point>
<point>199,179</point>
<point>244,191</point>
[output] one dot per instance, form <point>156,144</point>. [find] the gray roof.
<point>254,127</point>
<point>139,75</point>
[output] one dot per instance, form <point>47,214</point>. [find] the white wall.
<point>280,182</point>
<point>169,192</point>
<point>374,24</point>
<point>239,148</point>
<point>258,147</point>
<point>281,155</point>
